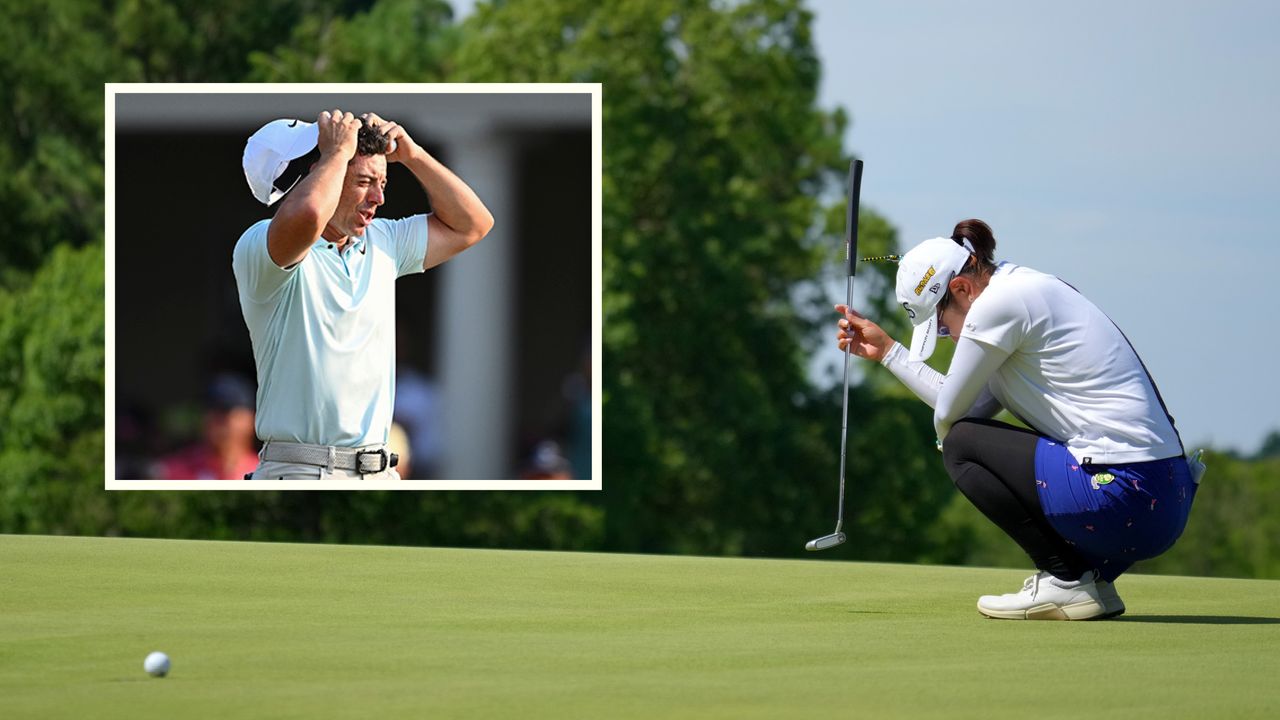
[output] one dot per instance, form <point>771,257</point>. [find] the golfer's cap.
<point>923,274</point>
<point>268,152</point>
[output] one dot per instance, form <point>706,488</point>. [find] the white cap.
<point>268,152</point>
<point>923,275</point>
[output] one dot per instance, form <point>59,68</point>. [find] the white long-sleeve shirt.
<point>1034,345</point>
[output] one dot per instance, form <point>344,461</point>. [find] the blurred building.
<point>497,328</point>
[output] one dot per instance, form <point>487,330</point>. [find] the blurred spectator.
<point>398,444</point>
<point>417,410</point>
<point>546,463</point>
<point>228,450</point>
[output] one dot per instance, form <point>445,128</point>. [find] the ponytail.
<point>983,241</point>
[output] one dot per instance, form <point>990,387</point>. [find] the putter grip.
<point>851,216</point>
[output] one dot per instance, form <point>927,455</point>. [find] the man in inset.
<point>317,288</point>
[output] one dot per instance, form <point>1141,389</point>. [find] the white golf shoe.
<point>1045,597</point>
<point>1110,599</point>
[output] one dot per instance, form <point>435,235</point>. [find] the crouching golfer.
<point>317,288</point>
<point>1100,482</point>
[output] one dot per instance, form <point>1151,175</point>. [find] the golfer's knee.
<point>958,448</point>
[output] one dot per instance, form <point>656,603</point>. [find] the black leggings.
<point>993,465</point>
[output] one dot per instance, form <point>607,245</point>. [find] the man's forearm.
<point>317,194</point>
<point>454,202</point>
<point>305,212</point>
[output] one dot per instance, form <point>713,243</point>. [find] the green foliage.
<point>199,41</point>
<point>1270,447</point>
<point>553,521</point>
<point>51,395</point>
<point>51,158</point>
<point>395,41</point>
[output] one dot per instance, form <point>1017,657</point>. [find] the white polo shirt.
<point>324,332</point>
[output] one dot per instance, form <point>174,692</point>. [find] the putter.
<point>851,259</point>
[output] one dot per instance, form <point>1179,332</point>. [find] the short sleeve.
<point>257,275</point>
<point>998,318</point>
<point>408,239</point>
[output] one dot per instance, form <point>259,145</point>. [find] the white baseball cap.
<point>268,152</point>
<point>923,275</point>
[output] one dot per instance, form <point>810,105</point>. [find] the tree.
<point>51,396</point>
<point>51,152</point>
<point>1270,447</point>
<point>723,197</point>
<point>199,41</point>
<point>395,41</point>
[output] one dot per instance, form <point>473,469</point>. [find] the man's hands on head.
<point>401,146</point>
<point>338,134</point>
<point>459,220</point>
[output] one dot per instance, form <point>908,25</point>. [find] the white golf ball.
<point>156,664</point>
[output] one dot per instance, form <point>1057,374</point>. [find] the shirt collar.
<point>358,245</point>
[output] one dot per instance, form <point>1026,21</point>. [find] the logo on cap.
<point>910,313</point>
<point>925,280</point>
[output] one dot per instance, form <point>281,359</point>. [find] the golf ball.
<point>156,664</point>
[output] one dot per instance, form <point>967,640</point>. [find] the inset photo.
<point>353,287</point>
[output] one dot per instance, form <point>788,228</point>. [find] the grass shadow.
<point>1200,619</point>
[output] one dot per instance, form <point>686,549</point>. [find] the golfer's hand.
<point>401,145</point>
<point>863,337</point>
<point>338,133</point>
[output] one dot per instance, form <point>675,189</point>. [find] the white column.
<point>478,320</point>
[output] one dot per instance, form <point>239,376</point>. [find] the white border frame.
<point>597,322</point>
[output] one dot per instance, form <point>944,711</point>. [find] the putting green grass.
<point>323,631</point>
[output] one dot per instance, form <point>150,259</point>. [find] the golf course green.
<point>320,631</point>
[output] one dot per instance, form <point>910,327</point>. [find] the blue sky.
<point>1129,148</point>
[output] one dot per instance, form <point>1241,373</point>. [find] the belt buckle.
<point>381,453</point>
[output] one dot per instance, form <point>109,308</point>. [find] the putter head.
<point>824,542</point>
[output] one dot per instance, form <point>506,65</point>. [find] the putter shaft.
<point>838,537</point>
<point>844,416</point>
